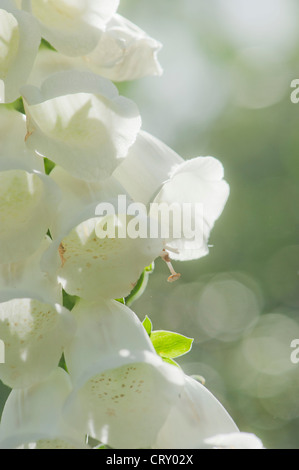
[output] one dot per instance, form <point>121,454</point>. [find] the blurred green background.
<point>225,91</point>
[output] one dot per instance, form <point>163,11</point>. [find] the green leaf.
<point>62,363</point>
<point>149,269</point>
<point>49,234</point>
<point>49,165</point>
<point>121,301</point>
<point>169,345</point>
<point>140,286</point>
<point>18,105</point>
<point>69,301</point>
<point>147,325</point>
<point>44,44</point>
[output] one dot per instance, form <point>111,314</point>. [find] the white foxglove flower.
<point>26,279</point>
<point>19,42</point>
<point>196,416</point>
<point>123,391</point>
<point>28,198</point>
<point>124,52</point>
<point>14,154</point>
<point>148,165</point>
<point>153,173</point>
<point>73,27</point>
<point>126,386</point>
<point>197,181</point>
<point>79,121</point>
<point>32,417</point>
<point>34,334</point>
<point>27,206</point>
<point>91,266</point>
<point>240,440</point>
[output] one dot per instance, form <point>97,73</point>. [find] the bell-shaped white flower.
<point>148,165</point>
<point>92,262</point>
<point>34,334</point>
<point>79,121</point>
<point>26,278</point>
<point>196,416</point>
<point>28,198</point>
<point>19,41</point>
<point>123,391</point>
<point>73,27</point>
<point>153,173</point>
<point>197,187</point>
<point>93,267</point>
<point>27,205</point>
<point>14,154</point>
<point>32,417</point>
<point>239,440</point>
<point>124,52</point>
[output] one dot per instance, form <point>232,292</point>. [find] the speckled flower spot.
<point>53,444</point>
<point>119,388</point>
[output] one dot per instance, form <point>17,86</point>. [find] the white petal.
<point>32,417</point>
<point>196,416</point>
<point>126,406</point>
<point>240,440</point>
<point>26,279</point>
<point>79,121</point>
<point>121,54</point>
<point>154,173</point>
<point>124,52</point>
<point>49,61</point>
<point>14,154</point>
<point>106,331</point>
<point>19,41</point>
<point>93,267</point>
<point>34,335</point>
<point>197,182</point>
<point>91,264</point>
<point>148,165</point>
<point>27,205</point>
<point>79,197</point>
<point>126,387</point>
<point>72,26</point>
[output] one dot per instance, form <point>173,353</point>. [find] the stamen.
<point>174,275</point>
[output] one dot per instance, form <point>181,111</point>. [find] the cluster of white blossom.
<point>90,374</point>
